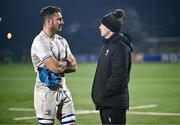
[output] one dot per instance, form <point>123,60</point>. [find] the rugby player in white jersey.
<point>51,53</point>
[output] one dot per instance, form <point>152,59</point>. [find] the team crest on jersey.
<point>107,52</point>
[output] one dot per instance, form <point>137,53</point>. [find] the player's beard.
<point>56,29</point>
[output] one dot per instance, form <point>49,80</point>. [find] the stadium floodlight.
<point>9,36</point>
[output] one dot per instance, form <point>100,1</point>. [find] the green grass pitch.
<point>151,83</point>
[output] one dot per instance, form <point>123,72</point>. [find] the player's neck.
<point>48,32</point>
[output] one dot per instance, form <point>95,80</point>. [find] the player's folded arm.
<point>52,64</point>
<point>71,64</point>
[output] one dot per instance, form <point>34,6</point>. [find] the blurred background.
<point>153,25</point>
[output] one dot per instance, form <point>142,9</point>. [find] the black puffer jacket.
<point>110,86</point>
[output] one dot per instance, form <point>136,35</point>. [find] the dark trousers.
<point>113,116</point>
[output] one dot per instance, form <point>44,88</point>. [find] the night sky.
<point>143,18</point>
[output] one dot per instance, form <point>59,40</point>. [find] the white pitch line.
<point>143,106</point>
<point>21,109</point>
<point>154,113</point>
<point>132,107</point>
<point>24,118</point>
<point>82,112</point>
<point>92,111</point>
<point>78,112</point>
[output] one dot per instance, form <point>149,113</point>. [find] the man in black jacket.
<point>110,87</point>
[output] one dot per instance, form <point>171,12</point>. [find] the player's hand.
<point>71,61</point>
<point>62,64</point>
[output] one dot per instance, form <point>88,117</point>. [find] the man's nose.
<point>62,21</point>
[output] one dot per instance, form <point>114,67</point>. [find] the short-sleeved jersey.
<point>44,47</point>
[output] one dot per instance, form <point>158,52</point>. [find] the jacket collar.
<point>110,39</point>
<point>121,37</point>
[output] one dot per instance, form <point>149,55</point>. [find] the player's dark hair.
<point>48,11</point>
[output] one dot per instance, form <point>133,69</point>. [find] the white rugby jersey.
<point>44,47</point>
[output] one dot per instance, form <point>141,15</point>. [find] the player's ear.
<point>49,21</point>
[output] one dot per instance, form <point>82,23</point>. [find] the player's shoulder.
<point>40,38</point>
<point>57,36</point>
<point>40,41</point>
<point>60,38</point>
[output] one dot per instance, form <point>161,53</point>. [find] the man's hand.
<point>71,64</point>
<point>62,64</point>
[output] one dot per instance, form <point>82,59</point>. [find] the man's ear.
<point>49,21</point>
